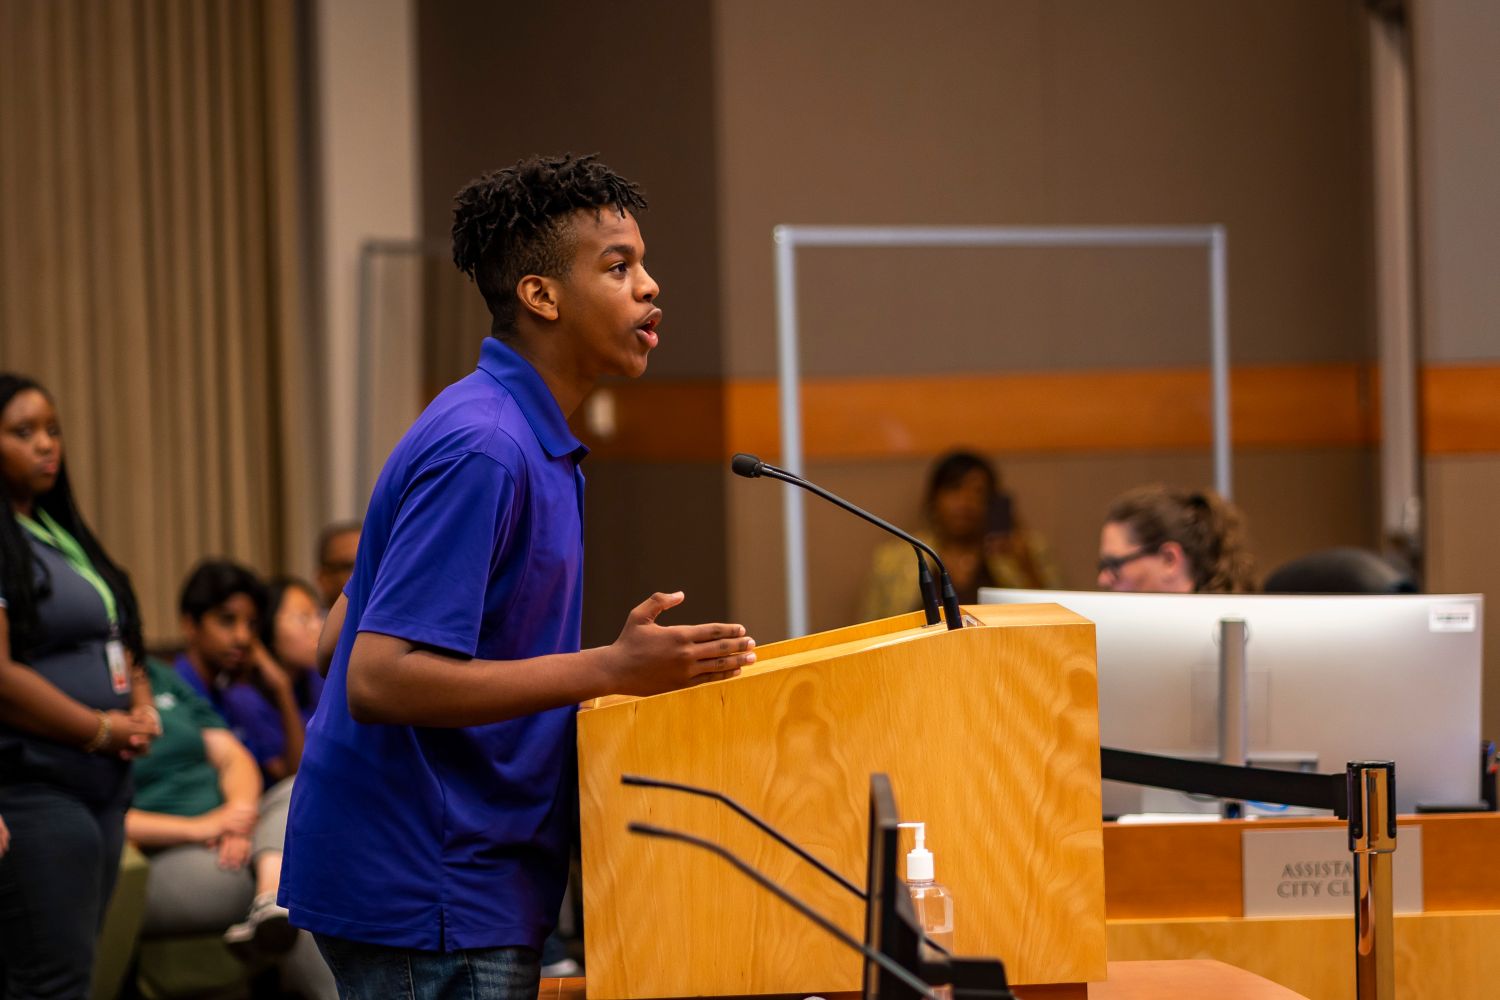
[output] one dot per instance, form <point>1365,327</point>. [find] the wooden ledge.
<point>1191,979</point>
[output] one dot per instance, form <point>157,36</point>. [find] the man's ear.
<point>539,296</point>
<point>189,628</point>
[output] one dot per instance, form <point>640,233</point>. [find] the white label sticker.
<point>1310,872</point>
<point>1452,618</point>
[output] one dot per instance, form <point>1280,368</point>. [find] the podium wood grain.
<point>1187,980</point>
<point>989,734</point>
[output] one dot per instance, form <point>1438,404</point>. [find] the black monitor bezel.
<point>890,919</point>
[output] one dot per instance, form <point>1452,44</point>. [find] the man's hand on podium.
<point>649,658</point>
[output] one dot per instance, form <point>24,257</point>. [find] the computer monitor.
<point>1330,680</point>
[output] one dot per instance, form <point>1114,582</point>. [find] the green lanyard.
<point>49,532</point>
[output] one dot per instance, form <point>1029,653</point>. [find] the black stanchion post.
<point>1372,841</point>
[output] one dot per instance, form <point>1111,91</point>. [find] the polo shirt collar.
<point>189,673</point>
<point>501,362</point>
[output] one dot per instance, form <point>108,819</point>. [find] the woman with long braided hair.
<point>74,708</point>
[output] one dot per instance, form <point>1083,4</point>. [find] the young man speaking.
<point>429,833</point>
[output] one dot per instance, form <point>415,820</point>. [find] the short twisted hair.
<point>512,222</point>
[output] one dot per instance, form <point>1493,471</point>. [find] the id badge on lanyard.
<point>119,669</point>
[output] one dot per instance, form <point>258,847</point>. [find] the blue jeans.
<point>376,972</point>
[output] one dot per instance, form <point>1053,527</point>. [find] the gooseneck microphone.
<point>890,965</point>
<point>753,468</point>
<point>928,589</point>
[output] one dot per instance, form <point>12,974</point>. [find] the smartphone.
<point>1002,520</point>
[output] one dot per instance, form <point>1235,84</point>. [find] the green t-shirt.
<point>176,776</point>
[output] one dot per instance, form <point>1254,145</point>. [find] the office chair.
<point>1339,571</point>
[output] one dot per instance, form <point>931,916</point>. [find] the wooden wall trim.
<point>1272,406</point>
<point>1461,409</point>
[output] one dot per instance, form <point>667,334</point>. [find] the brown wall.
<point>1248,115</point>
<point>1458,161</point>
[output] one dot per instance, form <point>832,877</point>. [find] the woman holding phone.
<point>972,523</point>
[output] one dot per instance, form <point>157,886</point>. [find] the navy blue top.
<point>448,839</point>
<point>69,651</point>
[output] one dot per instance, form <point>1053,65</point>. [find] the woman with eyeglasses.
<point>1158,539</point>
<point>289,632</point>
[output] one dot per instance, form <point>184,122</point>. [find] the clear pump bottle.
<point>931,899</point>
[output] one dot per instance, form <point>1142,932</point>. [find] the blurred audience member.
<point>225,662</point>
<point>213,840</point>
<point>1157,539</point>
<point>974,526</point>
<point>337,546</point>
<point>74,708</point>
<point>290,630</point>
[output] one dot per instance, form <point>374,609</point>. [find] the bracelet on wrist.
<point>101,736</point>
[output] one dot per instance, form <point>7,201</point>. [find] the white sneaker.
<point>266,930</point>
<point>565,968</point>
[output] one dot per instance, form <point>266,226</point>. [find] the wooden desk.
<point>1191,980</point>
<point>1196,979</point>
<point>1173,891</point>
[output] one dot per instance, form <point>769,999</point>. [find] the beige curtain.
<point>153,253</point>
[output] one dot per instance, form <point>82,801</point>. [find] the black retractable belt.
<point>1254,784</point>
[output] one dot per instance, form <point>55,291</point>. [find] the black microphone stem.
<point>950,600</point>
<point>760,824</point>
<point>884,961</point>
<point>928,588</point>
<point>951,613</point>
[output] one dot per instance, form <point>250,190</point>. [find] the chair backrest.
<point>1339,571</point>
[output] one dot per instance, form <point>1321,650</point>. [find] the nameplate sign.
<point>1310,873</point>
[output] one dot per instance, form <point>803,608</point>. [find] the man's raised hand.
<point>649,658</point>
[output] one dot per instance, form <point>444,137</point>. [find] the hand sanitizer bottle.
<point>931,899</point>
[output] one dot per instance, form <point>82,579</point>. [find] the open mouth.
<point>647,328</point>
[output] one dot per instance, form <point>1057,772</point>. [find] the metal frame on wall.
<point>789,238</point>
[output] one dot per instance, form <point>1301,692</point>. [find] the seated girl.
<point>214,841</point>
<point>289,632</point>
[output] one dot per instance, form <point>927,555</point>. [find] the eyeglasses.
<point>303,619</point>
<point>1112,565</point>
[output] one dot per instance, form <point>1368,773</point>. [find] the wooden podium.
<point>989,734</point>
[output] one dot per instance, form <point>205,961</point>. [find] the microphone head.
<point>746,465</point>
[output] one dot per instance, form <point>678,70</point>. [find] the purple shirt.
<point>189,673</point>
<point>447,839</point>
<point>252,718</point>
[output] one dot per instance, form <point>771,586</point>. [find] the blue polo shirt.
<point>309,688</point>
<point>448,839</point>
